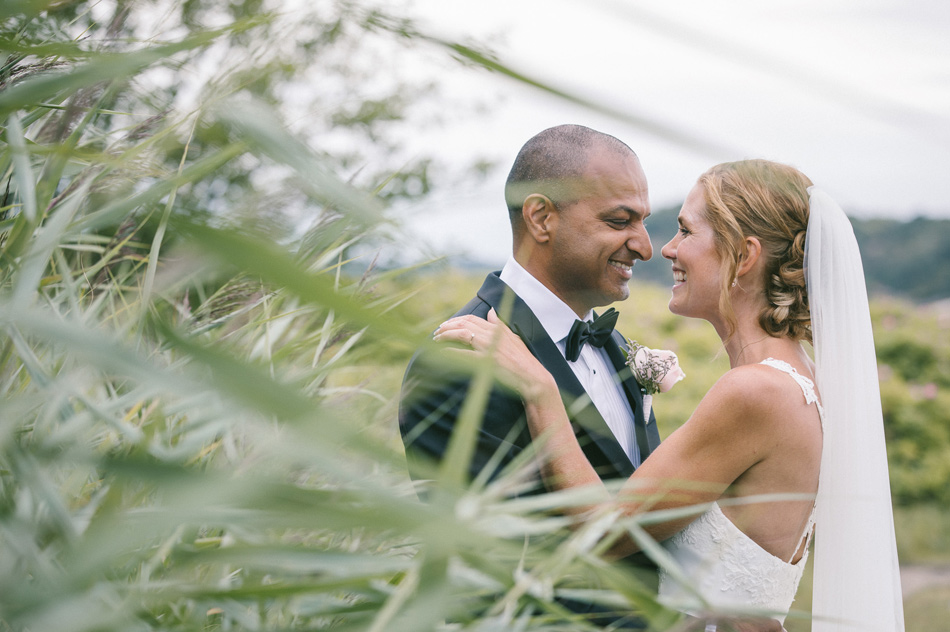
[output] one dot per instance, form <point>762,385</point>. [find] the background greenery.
<point>904,259</point>
<point>197,392</point>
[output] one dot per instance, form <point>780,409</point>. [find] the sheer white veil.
<point>856,573</point>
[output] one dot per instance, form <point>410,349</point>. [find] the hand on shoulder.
<point>491,337</point>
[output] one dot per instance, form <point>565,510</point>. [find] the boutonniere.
<point>656,370</point>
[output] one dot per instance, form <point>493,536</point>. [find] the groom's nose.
<point>639,243</point>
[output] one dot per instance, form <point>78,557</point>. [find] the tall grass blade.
<point>45,242</point>
<point>258,127</point>
<point>22,170</point>
<point>56,85</point>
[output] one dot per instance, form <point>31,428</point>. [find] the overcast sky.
<point>855,93</point>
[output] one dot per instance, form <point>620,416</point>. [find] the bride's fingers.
<point>461,335</point>
<point>476,338</point>
<point>473,330</point>
<point>519,368</point>
<point>463,322</point>
<point>482,336</point>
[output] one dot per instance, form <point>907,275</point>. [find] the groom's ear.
<point>540,217</point>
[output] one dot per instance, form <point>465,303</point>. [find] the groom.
<point>577,200</point>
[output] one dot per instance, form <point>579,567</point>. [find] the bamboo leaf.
<point>675,135</point>
<point>157,240</point>
<point>23,170</point>
<point>100,67</point>
<point>157,190</point>
<point>248,384</point>
<point>279,268</point>
<point>257,126</point>
<point>11,8</point>
<point>35,261</point>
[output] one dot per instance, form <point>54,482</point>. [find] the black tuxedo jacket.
<point>431,401</point>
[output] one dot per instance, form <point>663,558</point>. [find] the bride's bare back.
<point>792,466</point>
<point>752,434</point>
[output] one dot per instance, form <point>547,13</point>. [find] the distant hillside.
<point>907,259</point>
<point>910,259</point>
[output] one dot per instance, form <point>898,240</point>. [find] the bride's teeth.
<point>679,277</point>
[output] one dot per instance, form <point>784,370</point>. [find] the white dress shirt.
<point>593,368</point>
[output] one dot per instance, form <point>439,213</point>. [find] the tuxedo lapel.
<point>596,438</point>
<point>648,437</point>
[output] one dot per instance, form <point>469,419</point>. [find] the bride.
<point>770,262</point>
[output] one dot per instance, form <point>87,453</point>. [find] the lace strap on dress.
<point>808,387</point>
<point>805,541</point>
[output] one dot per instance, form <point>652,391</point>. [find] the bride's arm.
<point>694,465</point>
<point>564,464</point>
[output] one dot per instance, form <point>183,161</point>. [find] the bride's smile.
<point>697,266</point>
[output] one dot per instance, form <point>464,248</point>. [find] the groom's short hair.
<point>552,162</point>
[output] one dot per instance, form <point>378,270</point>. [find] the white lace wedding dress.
<point>724,568</point>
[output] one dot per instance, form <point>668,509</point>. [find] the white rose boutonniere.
<point>656,370</point>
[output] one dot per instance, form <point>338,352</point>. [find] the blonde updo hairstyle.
<point>767,200</point>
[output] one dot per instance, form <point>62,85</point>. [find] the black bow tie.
<point>596,333</point>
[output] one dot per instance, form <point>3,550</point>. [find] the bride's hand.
<point>563,462</point>
<point>520,369</point>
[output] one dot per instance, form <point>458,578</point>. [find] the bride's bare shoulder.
<point>756,390</point>
<point>751,379</point>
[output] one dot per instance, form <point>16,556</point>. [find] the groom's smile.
<point>626,269</point>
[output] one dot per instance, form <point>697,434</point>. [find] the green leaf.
<point>276,266</point>
<point>257,126</point>
<point>36,259</point>
<point>22,169</point>
<point>236,378</point>
<point>100,67</point>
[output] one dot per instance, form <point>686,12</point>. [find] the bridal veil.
<point>856,573</point>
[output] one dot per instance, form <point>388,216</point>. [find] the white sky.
<point>855,93</point>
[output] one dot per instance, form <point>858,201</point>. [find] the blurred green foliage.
<point>197,404</point>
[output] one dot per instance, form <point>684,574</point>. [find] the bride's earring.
<point>735,281</point>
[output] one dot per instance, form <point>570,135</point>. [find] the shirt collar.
<point>553,313</point>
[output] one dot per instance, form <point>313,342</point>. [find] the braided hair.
<point>767,200</point>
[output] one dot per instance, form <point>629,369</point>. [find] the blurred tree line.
<point>907,259</point>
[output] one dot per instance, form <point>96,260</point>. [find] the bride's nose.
<point>669,250</point>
